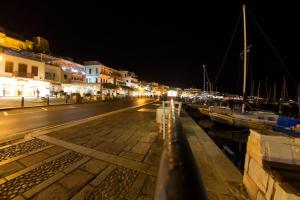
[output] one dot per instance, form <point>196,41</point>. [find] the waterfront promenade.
<point>113,157</point>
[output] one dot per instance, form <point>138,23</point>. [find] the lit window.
<point>9,66</point>
<point>34,70</point>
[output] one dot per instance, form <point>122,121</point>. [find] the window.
<point>50,76</point>
<point>90,71</point>
<point>22,68</point>
<point>65,76</point>
<point>34,70</point>
<point>96,70</point>
<point>9,67</point>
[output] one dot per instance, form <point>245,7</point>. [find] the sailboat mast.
<point>203,78</point>
<point>245,58</point>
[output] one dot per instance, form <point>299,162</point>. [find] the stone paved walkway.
<point>115,157</point>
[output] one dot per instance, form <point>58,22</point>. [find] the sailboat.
<point>243,118</point>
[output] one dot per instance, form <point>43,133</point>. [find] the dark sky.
<point>167,43</point>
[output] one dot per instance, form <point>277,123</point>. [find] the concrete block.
<point>246,165</point>
<point>260,196</point>
<point>282,194</point>
<point>258,175</point>
<point>270,188</point>
<point>273,147</point>
<point>250,186</point>
<point>296,154</point>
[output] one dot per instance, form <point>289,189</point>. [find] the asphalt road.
<point>19,120</point>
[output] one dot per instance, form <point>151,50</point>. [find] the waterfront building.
<point>21,76</point>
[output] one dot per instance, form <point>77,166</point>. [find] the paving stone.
<point>21,148</point>
<point>76,180</point>
<point>111,147</point>
<point>32,159</point>
<point>27,181</point>
<point>141,148</point>
<point>54,192</point>
<point>84,193</point>
<point>94,166</point>
<point>136,187</point>
<point>153,157</point>
<point>101,177</point>
<point>149,137</point>
<point>115,186</point>
<point>148,188</point>
<point>54,150</point>
<point>10,168</point>
<point>132,155</point>
<point>130,143</point>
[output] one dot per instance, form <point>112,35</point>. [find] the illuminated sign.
<point>172,93</point>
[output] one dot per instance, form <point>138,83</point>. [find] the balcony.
<point>103,72</point>
<point>23,74</point>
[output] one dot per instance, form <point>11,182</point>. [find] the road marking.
<point>27,112</point>
<point>44,109</point>
<point>146,110</point>
<point>5,113</point>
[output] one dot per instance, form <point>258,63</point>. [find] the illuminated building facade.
<point>129,78</point>
<point>22,77</point>
<point>25,72</point>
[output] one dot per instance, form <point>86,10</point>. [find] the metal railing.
<point>23,74</point>
<point>178,177</point>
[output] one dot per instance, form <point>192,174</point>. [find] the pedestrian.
<point>37,93</point>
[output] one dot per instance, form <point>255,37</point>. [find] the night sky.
<point>167,43</point>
